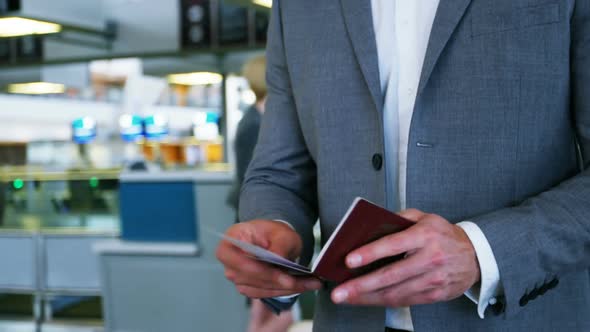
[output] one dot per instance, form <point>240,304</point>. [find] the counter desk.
<point>137,239</point>
<point>162,274</point>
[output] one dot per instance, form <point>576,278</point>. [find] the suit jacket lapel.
<point>447,18</point>
<point>359,25</point>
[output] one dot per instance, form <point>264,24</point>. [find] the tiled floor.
<point>6,326</point>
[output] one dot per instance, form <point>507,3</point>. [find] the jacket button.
<point>499,307</point>
<point>377,161</point>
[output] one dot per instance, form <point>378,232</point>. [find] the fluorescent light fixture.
<point>18,26</point>
<point>263,3</point>
<point>197,78</point>
<point>36,88</point>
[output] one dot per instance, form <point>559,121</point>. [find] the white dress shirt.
<point>402,30</point>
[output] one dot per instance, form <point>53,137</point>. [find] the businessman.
<point>471,117</point>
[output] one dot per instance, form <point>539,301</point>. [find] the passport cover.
<point>364,222</point>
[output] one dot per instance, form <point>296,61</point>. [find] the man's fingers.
<point>301,285</point>
<point>427,288</point>
<point>235,259</point>
<point>242,269</point>
<point>260,274</point>
<point>387,276</point>
<point>387,246</point>
<point>228,254</point>
<point>248,234</point>
<point>240,266</point>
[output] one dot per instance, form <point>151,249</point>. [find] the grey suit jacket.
<point>503,99</point>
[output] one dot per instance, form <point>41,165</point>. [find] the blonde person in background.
<point>261,318</point>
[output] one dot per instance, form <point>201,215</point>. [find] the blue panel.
<point>158,211</point>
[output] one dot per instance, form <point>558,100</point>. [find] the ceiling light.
<point>264,3</point>
<point>36,88</point>
<point>198,78</point>
<point>18,26</point>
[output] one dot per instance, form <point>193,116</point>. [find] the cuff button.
<point>498,308</point>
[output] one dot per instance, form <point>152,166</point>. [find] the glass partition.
<point>67,201</point>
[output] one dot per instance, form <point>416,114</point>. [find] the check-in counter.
<point>172,206</point>
<point>50,222</point>
<point>162,274</point>
<point>50,264</point>
<point>137,239</point>
<point>185,206</point>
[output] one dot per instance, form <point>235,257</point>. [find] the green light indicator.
<point>93,182</point>
<point>18,184</point>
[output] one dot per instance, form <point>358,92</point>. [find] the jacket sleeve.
<point>280,183</point>
<point>549,235</point>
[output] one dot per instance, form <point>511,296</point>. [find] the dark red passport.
<point>364,222</point>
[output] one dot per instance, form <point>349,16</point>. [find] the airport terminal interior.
<point>117,127</point>
<point>458,129</point>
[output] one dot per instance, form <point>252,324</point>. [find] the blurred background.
<point>118,120</point>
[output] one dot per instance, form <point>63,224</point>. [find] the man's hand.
<point>440,265</point>
<point>257,279</point>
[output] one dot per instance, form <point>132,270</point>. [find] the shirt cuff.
<point>285,222</point>
<point>278,306</point>
<point>485,292</point>
<point>287,298</point>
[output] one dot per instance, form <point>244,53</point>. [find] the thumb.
<point>251,235</point>
<point>286,244</point>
